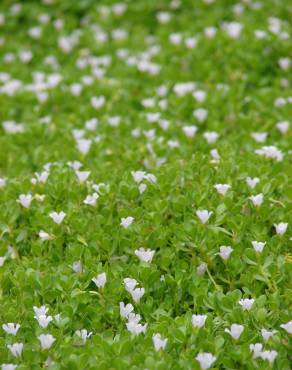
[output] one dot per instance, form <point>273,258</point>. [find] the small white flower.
<point>201,269</point>
<point>127,221</point>
<point>287,327</point>
<point>267,334</point>
<point>100,280</point>
<point>125,310</point>
<point>281,228</point>
<point>259,137</point>
<point>284,63</point>
<point>83,334</point>
<point>136,328</point>
<point>82,176</point>
<point>8,367</point>
<point>97,102</point>
<point>11,328</point>
<point>42,177</point>
<point>233,29</point>
<point>142,188</point>
<point>252,182</point>
<point>137,294</point>
<point>43,310</point>
<point>145,255</point>
<point>158,342</point>
<point>235,331</point>
<point>270,152</point>
<point>2,260</point>
<point>222,188</point>
<point>270,356</point>
<point>25,200</point>
<point>44,236</point>
<point>246,303</point>
<point>199,96</point>
<point>43,320</point>
<point>225,252</point>
<point>205,360</point>
<point>256,349</point>
<point>257,200</point>
<point>130,284</point>
<point>190,131</point>
<point>204,215</point>
<point>2,182</point>
<point>15,349</point>
<point>46,340</point>
<point>90,200</point>
<point>40,197</point>
<point>283,126</point>
<point>57,217</point>
<point>77,267</point>
<point>84,145</point>
<point>198,321</point>
<point>258,246</point>
<point>200,114</point>
<point>138,176</point>
<point>211,137</point>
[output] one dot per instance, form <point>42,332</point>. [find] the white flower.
<point>90,200</point>
<point>283,126</point>
<point>270,152</point>
<point>145,255</point>
<point>11,328</point>
<point>258,246</point>
<point>125,310</point>
<point>158,342</point>
<point>142,188</point>
<point>215,155</point>
<point>252,182</point>
<point>42,177</point>
<point>284,63</point>
<point>2,260</point>
<point>287,327</point>
<point>46,340</point>
<point>136,328</point>
<point>127,221</point>
<point>43,320</point>
<point>205,360</point>
<point>97,102</point>
<point>257,200</point>
<point>222,188</point>
<point>281,228</point>
<point>201,269</point>
<point>210,32</point>
<point>83,335</point>
<point>200,114</point>
<point>57,217</point>
<point>198,321</point>
<point>138,176</point>
<point>259,137</point>
<point>100,280</point>
<point>77,267</point>
<point>2,182</point>
<point>199,95</point>
<point>211,136</point>
<point>130,284</point>
<point>267,334</point>
<point>191,42</point>
<point>204,215</point>
<point>15,349</point>
<point>269,356</point>
<point>256,349</point>
<point>40,197</point>
<point>246,303</point>
<point>83,145</point>
<point>190,131</point>
<point>235,331</point>
<point>44,236</point>
<point>82,176</point>
<point>8,367</point>
<point>225,252</point>
<point>43,310</point>
<point>233,29</point>
<point>137,294</point>
<point>25,200</point>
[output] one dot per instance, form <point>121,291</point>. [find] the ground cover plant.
<point>145,184</point>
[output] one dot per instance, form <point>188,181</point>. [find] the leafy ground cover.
<point>145,199</point>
